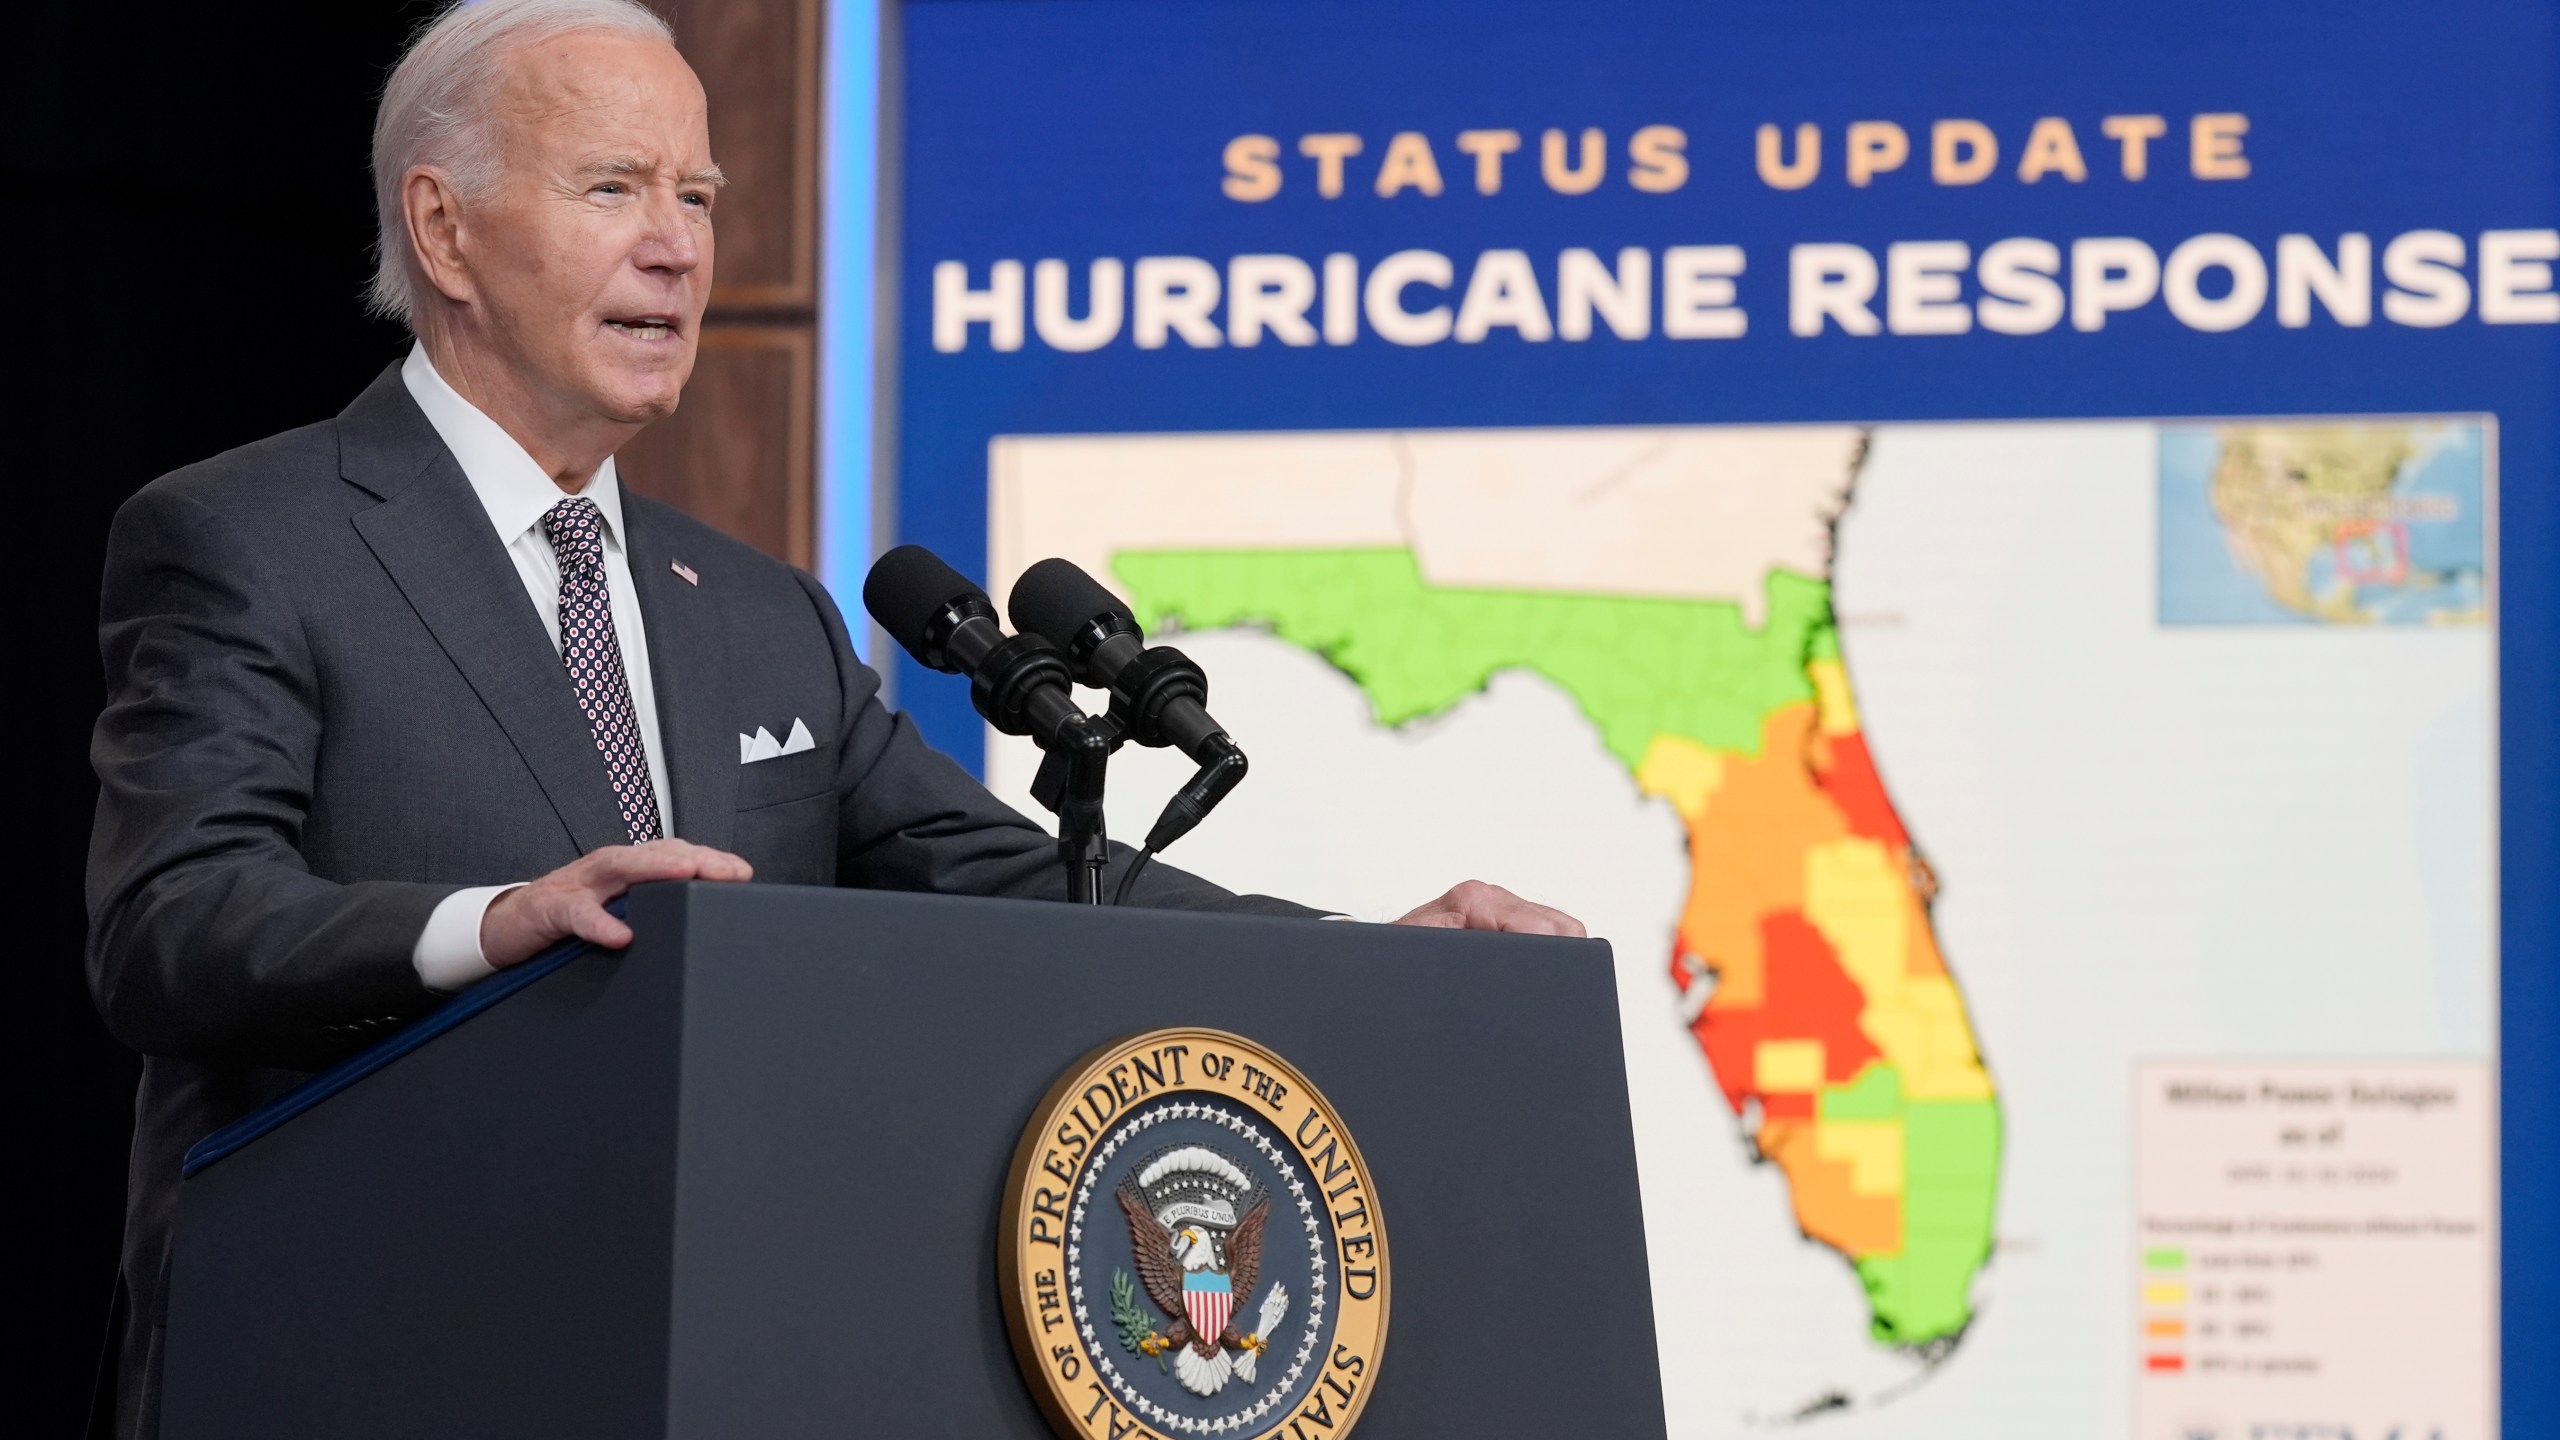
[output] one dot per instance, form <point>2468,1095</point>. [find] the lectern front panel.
<point>814,1095</point>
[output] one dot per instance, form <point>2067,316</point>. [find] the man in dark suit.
<point>402,698</point>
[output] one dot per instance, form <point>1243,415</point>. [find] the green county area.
<point>1639,666</point>
<point>1919,1294</point>
<point>1952,1167</point>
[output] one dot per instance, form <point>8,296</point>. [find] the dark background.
<point>201,222</point>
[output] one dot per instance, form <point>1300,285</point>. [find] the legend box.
<point>2315,1250</point>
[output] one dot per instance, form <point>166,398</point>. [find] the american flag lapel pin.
<point>686,571</point>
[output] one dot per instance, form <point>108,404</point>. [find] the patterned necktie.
<point>593,653</point>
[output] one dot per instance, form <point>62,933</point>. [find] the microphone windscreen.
<point>1054,599</point>
<point>907,588</point>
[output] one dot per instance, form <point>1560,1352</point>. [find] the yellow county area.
<point>1863,903</point>
<point>1787,1066</point>
<point>1682,771</point>
<point>1872,1149</point>
<point>1922,1029</point>
<point>1836,711</point>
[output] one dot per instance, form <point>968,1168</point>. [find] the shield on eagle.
<point>1207,1297</point>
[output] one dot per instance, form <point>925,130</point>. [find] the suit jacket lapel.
<point>689,667</point>
<point>433,537</point>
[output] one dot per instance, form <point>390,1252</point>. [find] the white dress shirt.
<point>516,493</point>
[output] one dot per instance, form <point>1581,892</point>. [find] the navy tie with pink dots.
<point>589,647</point>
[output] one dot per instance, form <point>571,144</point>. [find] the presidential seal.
<point>1191,1246</point>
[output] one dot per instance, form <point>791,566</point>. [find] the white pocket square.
<point>762,746</point>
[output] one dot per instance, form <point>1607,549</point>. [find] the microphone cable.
<point>1129,881</point>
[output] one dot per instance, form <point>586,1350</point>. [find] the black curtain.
<point>191,228</point>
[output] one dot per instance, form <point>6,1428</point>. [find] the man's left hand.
<point>1478,906</point>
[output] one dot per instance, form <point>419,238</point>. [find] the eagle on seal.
<point>1196,1275</point>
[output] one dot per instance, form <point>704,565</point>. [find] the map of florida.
<point>1829,1018</point>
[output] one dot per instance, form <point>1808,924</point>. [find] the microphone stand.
<point>1070,785</point>
<point>1019,684</point>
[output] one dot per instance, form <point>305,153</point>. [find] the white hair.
<point>438,109</point>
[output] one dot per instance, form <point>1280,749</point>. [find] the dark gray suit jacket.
<point>331,704</point>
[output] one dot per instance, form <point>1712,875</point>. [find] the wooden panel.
<point>739,453</point>
<point>758,60</point>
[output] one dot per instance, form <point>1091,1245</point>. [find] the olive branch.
<point>1135,1325</point>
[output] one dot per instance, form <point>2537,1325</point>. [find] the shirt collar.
<point>511,487</point>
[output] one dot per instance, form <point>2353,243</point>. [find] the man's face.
<point>592,262</point>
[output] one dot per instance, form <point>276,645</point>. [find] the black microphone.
<point>1018,682</point>
<point>1158,695</point>
<point>1162,692</point>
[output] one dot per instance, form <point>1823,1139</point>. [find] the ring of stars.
<point>1126,1133</point>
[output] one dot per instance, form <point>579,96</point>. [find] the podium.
<point>744,1177</point>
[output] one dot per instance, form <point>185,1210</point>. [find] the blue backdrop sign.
<point>2007,546</point>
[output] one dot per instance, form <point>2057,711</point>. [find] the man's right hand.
<point>569,901</point>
